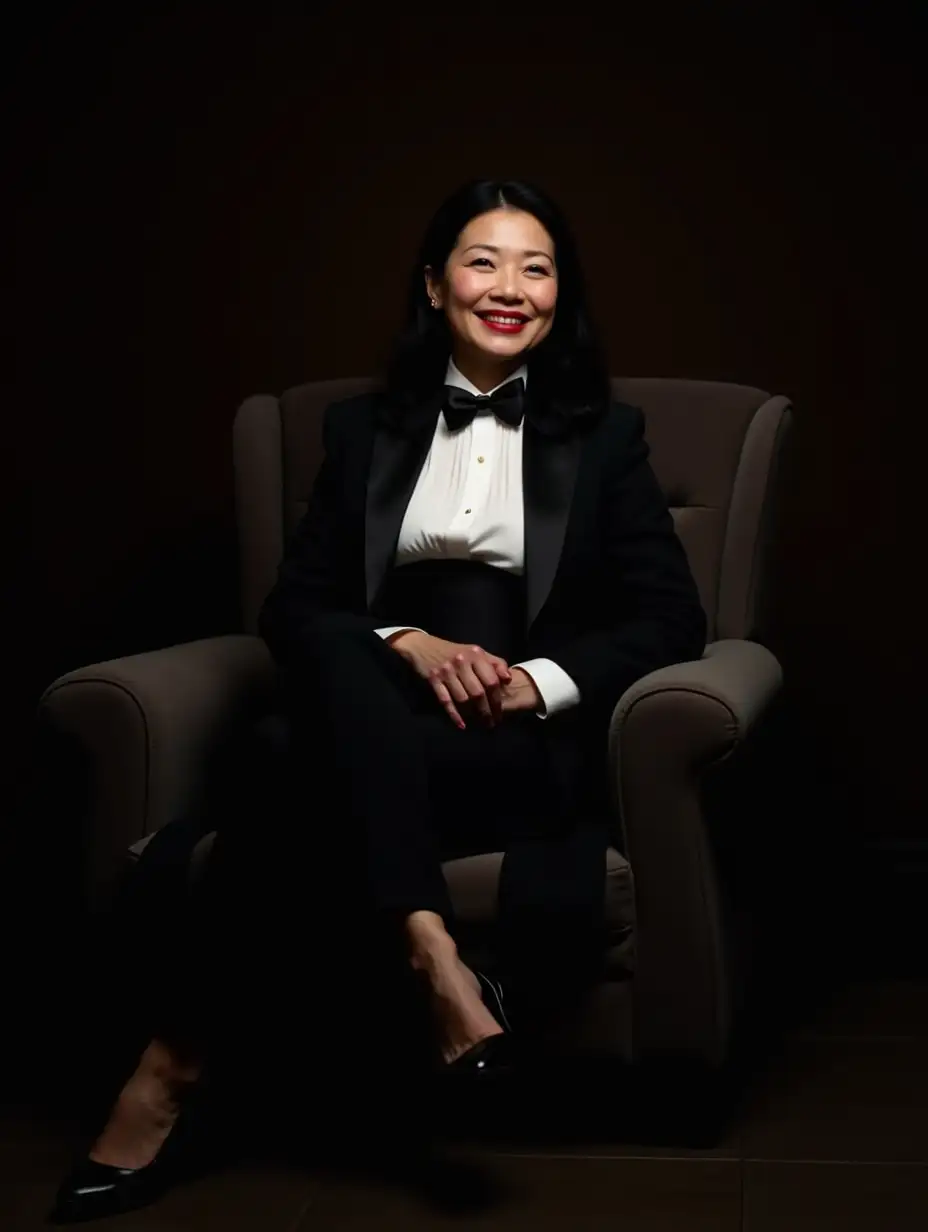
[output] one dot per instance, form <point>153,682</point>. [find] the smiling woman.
<point>486,564</point>
<point>497,283</point>
<point>499,293</point>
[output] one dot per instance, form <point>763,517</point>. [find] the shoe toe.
<point>94,1190</point>
<point>488,1058</point>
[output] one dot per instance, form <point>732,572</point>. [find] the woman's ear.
<point>432,288</point>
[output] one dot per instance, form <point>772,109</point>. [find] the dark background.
<point>207,206</point>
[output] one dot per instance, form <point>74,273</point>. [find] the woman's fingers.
<point>501,668</point>
<point>471,677</point>
<point>455,684</point>
<point>443,693</point>
<point>480,680</point>
<point>489,677</point>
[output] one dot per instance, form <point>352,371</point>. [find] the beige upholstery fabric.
<point>665,729</point>
<point>147,724</point>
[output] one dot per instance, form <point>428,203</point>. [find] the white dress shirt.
<point>467,505</point>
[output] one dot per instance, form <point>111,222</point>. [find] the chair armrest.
<point>709,704</point>
<point>666,729</point>
<point>145,726</point>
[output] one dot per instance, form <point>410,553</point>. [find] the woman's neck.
<point>485,373</point>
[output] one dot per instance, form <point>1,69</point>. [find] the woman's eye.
<point>531,269</point>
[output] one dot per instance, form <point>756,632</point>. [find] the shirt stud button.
<point>481,458</point>
<point>467,511</point>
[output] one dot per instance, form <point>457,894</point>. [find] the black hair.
<point>568,367</point>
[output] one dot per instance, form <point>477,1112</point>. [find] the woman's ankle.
<point>431,946</point>
<point>426,928</point>
<point>170,1064</point>
<point>425,924</point>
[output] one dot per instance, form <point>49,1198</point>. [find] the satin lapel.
<point>549,474</point>
<point>396,460</point>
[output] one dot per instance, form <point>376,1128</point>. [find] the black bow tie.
<point>460,407</point>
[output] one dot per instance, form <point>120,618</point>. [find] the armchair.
<point>146,724</point>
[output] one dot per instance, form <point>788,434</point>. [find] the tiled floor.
<point>833,1134</point>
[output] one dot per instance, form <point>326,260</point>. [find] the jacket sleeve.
<point>310,585</point>
<point>650,597</point>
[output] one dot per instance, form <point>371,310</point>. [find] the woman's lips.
<point>511,326</point>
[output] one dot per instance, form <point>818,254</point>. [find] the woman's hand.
<point>458,673</point>
<point>521,693</point>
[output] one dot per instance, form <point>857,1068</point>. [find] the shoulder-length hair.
<point>567,369</point>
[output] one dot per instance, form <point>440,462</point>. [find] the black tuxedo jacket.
<point>610,595</point>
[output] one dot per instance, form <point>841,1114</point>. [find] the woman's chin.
<point>506,349</point>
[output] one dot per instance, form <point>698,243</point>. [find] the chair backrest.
<point>715,449</point>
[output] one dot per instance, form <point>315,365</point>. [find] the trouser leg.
<point>365,792</point>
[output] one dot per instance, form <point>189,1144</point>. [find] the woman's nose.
<point>507,285</point>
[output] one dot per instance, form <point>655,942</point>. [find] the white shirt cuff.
<point>558,690</point>
<point>389,630</point>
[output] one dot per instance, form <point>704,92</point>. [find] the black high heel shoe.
<point>493,1056</point>
<point>93,1190</point>
<point>491,993</point>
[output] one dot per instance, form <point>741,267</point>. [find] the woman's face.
<point>500,287</point>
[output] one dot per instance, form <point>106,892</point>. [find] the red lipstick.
<point>506,322</point>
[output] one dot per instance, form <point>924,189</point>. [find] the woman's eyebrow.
<point>528,252</point>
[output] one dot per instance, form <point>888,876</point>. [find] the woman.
<point>486,564</point>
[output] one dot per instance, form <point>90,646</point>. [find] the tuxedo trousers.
<point>365,787</point>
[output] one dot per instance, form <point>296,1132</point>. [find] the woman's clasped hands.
<point>467,677</point>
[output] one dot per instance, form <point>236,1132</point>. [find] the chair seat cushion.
<point>474,882</point>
